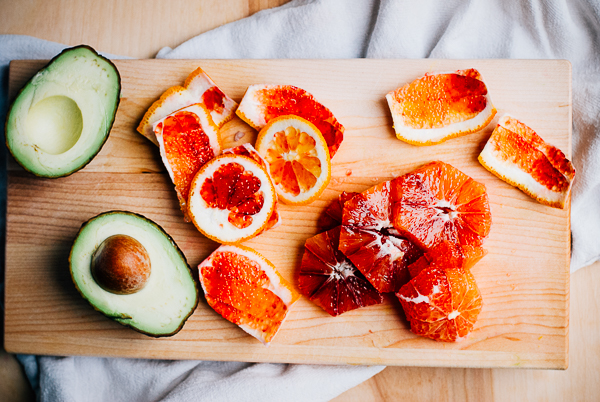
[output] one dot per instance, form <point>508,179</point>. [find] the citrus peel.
<point>197,88</point>
<point>246,289</point>
<point>187,139</point>
<point>518,155</point>
<point>262,103</point>
<point>440,106</point>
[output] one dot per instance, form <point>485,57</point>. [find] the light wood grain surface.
<point>524,278</point>
<point>125,37</point>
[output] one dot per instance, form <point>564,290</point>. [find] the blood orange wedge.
<point>231,199</point>
<point>368,239</point>
<point>262,103</point>
<point>187,140</point>
<point>447,254</point>
<point>332,216</point>
<point>249,151</point>
<point>246,289</point>
<point>441,303</point>
<point>438,202</point>
<point>298,159</point>
<point>440,106</point>
<point>520,157</point>
<point>198,88</point>
<point>330,280</point>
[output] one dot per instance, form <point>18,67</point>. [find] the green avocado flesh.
<point>170,295</point>
<point>63,115</point>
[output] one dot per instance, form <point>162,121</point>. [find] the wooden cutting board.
<point>524,279</point>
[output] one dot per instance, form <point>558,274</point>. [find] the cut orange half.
<point>520,157</point>
<point>440,106</point>
<point>231,199</point>
<point>187,140</point>
<point>249,151</point>
<point>298,158</point>
<point>262,103</point>
<point>197,88</point>
<point>246,289</point>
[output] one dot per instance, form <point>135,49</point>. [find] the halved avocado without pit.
<point>115,245</point>
<point>62,117</point>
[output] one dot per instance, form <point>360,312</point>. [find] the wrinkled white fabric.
<point>347,29</point>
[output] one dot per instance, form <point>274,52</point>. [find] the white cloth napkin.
<point>346,29</point>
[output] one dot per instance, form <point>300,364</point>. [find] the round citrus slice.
<point>330,280</point>
<point>437,107</point>
<point>198,88</point>
<point>438,202</point>
<point>441,304</point>
<point>520,157</point>
<point>249,151</point>
<point>246,289</point>
<point>262,103</point>
<point>187,140</point>
<point>231,199</point>
<point>369,240</point>
<point>298,159</point>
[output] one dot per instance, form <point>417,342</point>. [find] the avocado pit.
<point>121,265</point>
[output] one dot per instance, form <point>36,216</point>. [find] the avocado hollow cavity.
<point>62,117</point>
<point>170,294</point>
<point>54,124</point>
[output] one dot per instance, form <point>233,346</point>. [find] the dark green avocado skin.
<point>124,316</point>
<point>109,128</point>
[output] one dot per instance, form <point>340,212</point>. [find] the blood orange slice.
<point>368,239</point>
<point>198,88</point>
<point>440,106</point>
<point>330,280</point>
<point>298,159</point>
<point>246,289</point>
<point>231,199</point>
<point>438,202</point>
<point>249,151</point>
<point>520,157</point>
<point>262,103</point>
<point>441,303</point>
<point>187,140</point>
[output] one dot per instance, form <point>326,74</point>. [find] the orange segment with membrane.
<point>441,303</point>
<point>187,140</point>
<point>231,199</point>
<point>369,240</point>
<point>447,254</point>
<point>330,280</point>
<point>262,103</point>
<point>197,88</point>
<point>438,202</point>
<point>437,107</point>
<point>518,155</point>
<point>246,289</point>
<point>297,158</point>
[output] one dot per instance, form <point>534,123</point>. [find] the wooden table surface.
<point>140,28</point>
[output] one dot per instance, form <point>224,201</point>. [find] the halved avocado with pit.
<point>168,296</point>
<point>62,117</point>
